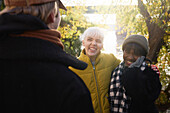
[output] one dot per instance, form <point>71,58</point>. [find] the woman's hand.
<point>155,68</point>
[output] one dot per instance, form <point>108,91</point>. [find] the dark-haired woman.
<point>135,83</point>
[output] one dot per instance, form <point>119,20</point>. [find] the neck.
<point>92,59</point>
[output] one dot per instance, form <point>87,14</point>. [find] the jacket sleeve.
<point>144,85</point>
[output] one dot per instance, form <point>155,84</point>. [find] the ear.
<point>51,18</point>
<point>83,43</point>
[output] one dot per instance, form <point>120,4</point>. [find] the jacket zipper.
<point>100,109</point>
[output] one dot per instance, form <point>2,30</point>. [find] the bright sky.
<point>101,18</point>
<point>98,2</point>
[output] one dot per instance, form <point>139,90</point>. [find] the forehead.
<point>93,32</point>
<point>135,49</point>
<point>94,36</point>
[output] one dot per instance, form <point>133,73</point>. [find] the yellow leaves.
<point>162,98</point>
<point>163,7</point>
<point>151,20</point>
<point>166,13</point>
<point>169,40</point>
<point>164,21</point>
<point>154,3</point>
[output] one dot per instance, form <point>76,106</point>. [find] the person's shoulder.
<point>110,56</point>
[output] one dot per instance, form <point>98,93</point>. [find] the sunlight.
<point>108,19</point>
<point>110,42</point>
<point>99,2</point>
<point>86,2</point>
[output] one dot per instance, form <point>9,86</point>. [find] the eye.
<point>98,41</point>
<point>127,51</point>
<point>89,39</point>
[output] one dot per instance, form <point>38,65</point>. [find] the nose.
<point>94,42</point>
<point>130,57</point>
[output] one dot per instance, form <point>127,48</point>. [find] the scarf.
<point>118,99</point>
<point>45,34</point>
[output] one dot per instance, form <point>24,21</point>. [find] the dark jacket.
<point>143,87</point>
<point>34,74</point>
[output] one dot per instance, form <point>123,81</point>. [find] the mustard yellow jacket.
<point>97,79</point>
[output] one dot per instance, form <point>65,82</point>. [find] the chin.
<point>92,55</point>
<point>127,64</point>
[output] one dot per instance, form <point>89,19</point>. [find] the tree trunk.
<point>156,41</point>
<point>156,33</point>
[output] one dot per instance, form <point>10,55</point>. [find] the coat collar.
<point>30,48</point>
<point>85,58</point>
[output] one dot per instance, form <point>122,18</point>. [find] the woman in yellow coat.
<point>100,66</point>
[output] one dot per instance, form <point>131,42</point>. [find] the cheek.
<point>136,57</point>
<point>100,46</point>
<point>86,43</point>
<point>124,55</point>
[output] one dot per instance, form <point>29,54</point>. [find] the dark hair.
<point>138,50</point>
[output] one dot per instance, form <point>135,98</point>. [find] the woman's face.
<point>130,57</point>
<point>93,45</point>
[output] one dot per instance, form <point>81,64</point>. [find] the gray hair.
<point>92,32</point>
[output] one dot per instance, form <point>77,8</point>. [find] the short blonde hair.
<point>41,11</point>
<point>93,32</point>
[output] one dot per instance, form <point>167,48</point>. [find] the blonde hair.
<point>93,32</point>
<point>41,11</point>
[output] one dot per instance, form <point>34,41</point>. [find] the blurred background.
<point>118,19</point>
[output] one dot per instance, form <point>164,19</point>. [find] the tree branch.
<point>144,12</point>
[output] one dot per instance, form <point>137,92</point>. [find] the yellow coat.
<point>97,79</point>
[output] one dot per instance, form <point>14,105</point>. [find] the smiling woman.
<point>93,42</point>
<point>100,65</point>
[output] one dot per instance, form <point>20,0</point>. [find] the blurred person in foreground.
<point>135,83</point>
<point>100,66</point>
<point>34,74</point>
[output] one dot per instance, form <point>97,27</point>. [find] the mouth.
<point>92,49</point>
<point>128,63</point>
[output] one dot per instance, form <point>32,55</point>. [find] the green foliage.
<point>1,5</point>
<point>163,65</point>
<point>164,62</point>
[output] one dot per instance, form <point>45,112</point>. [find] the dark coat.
<point>143,87</point>
<point>34,74</point>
